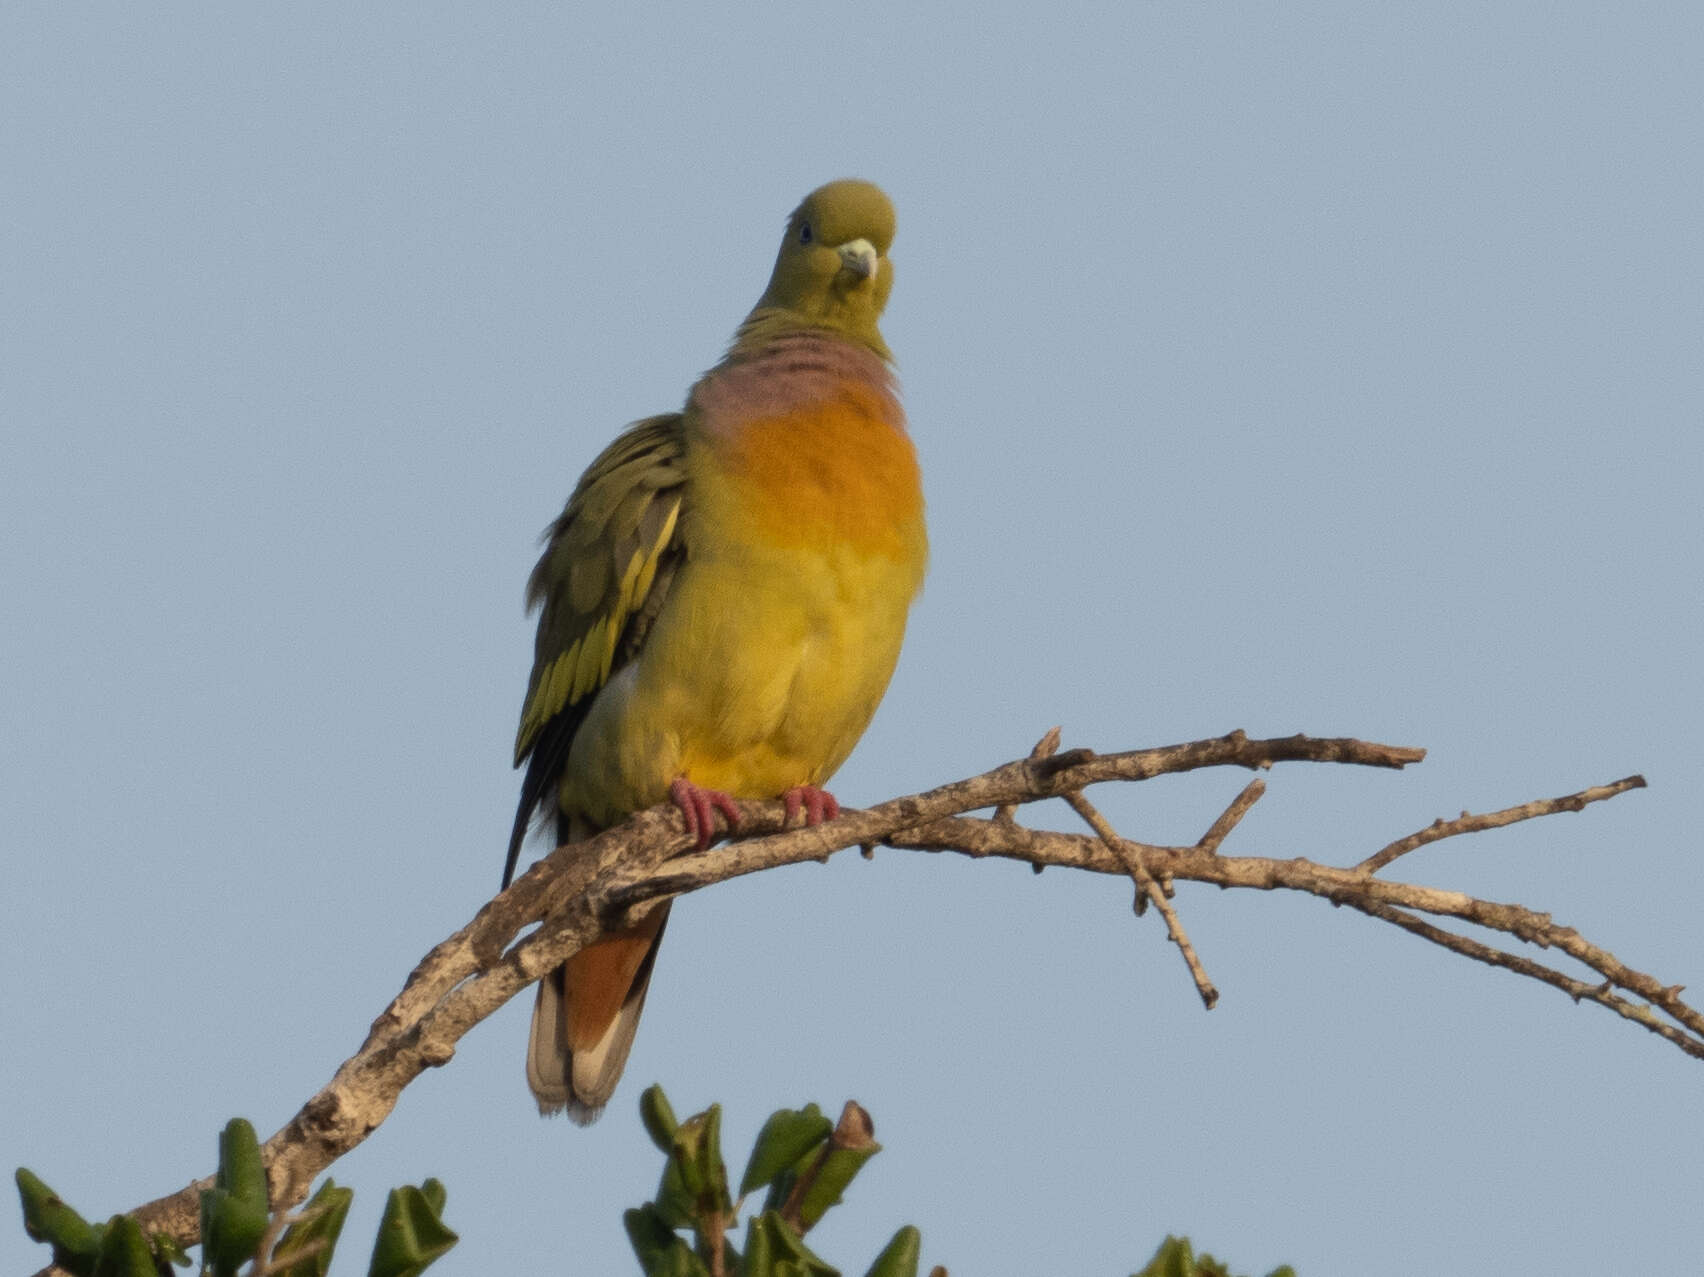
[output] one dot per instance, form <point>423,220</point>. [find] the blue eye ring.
<point>804,232</point>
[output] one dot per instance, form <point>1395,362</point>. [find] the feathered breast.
<point>807,439</point>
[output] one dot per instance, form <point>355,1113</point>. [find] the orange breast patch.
<point>835,470</point>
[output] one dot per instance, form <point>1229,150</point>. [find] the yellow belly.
<point>782,628</point>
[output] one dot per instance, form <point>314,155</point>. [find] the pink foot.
<point>699,808</point>
<point>818,804</point>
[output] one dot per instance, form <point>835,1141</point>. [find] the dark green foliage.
<point>786,1138</point>
<point>805,1163</point>
<point>662,1252</point>
<point>168,1249</point>
<point>694,1190</point>
<point>658,1117</point>
<point>901,1257</point>
<point>804,1190</point>
<point>237,1227</point>
<point>772,1247</point>
<point>411,1234</point>
<point>76,1242</point>
<point>116,1248</point>
<point>124,1251</point>
<point>1175,1258</point>
<point>306,1247</point>
<point>234,1212</point>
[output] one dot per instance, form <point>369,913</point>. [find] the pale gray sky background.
<point>1322,367</point>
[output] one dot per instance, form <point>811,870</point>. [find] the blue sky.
<point>1329,367</point>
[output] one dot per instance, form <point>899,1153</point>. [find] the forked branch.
<point>571,896</point>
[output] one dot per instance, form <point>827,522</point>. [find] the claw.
<point>698,808</point>
<point>818,804</point>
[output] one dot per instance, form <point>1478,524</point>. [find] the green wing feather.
<point>600,582</point>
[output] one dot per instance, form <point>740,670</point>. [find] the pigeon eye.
<point>805,233</point>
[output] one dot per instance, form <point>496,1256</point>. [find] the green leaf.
<point>694,1186</point>
<point>787,1137</point>
<point>124,1251</point>
<point>759,1249</point>
<point>773,1249</point>
<point>1156,1267</point>
<point>166,1248</point>
<point>901,1256</point>
<point>698,1144</point>
<point>411,1235</point>
<point>231,1228</point>
<point>306,1247</point>
<point>76,1242</point>
<point>674,1204</point>
<point>658,1116</point>
<point>1176,1258</point>
<point>839,1169</point>
<point>234,1211</point>
<point>825,1171</point>
<point>241,1171</point>
<point>435,1193</point>
<point>704,1176</point>
<point>648,1233</point>
<point>661,1251</point>
<point>852,1144</point>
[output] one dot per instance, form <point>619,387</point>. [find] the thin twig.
<point>1232,815</point>
<point>1131,854</point>
<point>1339,886</point>
<point>1579,990</point>
<point>717,1244</point>
<point>807,1180</point>
<point>266,1263</point>
<point>1470,824</point>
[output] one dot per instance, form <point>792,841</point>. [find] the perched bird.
<point>723,601</point>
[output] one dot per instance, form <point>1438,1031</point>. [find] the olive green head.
<point>833,269</point>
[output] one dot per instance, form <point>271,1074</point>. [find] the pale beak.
<point>858,256</point>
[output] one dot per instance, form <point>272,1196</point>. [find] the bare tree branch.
<point>1470,824</point>
<point>1130,854</point>
<point>568,898</point>
<point>1232,816</point>
<point>1046,747</point>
